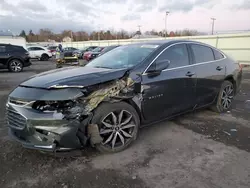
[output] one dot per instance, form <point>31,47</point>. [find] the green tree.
<point>23,34</point>
<point>31,33</point>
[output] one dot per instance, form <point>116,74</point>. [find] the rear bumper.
<point>238,81</point>
<point>27,62</point>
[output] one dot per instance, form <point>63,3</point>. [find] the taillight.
<point>240,66</point>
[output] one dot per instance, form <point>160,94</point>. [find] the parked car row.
<point>15,57</point>
<point>89,55</point>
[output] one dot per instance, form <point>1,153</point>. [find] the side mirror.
<point>158,66</point>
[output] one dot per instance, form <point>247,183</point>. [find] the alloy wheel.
<point>16,66</point>
<point>227,97</point>
<point>117,129</point>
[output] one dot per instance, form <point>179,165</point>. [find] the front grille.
<point>15,120</point>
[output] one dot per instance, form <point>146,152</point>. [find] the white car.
<point>39,52</point>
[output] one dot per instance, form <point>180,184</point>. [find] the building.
<point>6,34</point>
<point>67,39</point>
<point>8,38</point>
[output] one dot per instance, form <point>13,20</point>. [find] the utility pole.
<point>139,29</point>
<point>167,13</point>
<point>213,19</point>
<point>98,35</point>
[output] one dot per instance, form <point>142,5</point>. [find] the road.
<point>199,150</point>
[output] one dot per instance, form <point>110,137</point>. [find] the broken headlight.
<point>53,105</point>
<point>70,109</point>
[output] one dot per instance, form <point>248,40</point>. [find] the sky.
<point>89,15</point>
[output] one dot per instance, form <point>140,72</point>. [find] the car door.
<point>210,71</point>
<point>31,52</point>
<point>38,51</point>
<point>4,55</point>
<point>173,90</point>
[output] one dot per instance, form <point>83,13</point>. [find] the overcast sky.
<point>124,14</point>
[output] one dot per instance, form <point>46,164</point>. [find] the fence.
<point>235,45</point>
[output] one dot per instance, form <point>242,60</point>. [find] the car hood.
<point>73,77</point>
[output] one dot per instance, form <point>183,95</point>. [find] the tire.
<point>128,131</point>
<point>226,93</point>
<point>15,65</point>
<point>44,57</point>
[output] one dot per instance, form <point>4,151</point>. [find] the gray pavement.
<point>198,150</point>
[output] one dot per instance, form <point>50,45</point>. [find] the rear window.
<point>16,49</point>
<point>218,55</point>
<point>202,53</point>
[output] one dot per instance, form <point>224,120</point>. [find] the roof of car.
<point>167,41</point>
<point>36,46</point>
<point>5,44</point>
<point>161,42</point>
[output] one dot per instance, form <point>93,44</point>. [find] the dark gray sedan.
<point>106,102</point>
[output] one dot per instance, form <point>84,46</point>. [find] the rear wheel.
<point>15,65</point>
<point>44,57</point>
<point>225,97</point>
<point>118,126</point>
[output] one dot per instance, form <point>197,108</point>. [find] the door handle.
<point>219,68</point>
<point>190,74</point>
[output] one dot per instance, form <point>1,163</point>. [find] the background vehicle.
<point>105,102</point>
<point>39,52</point>
<point>92,54</point>
<point>52,50</point>
<point>13,57</point>
<point>68,51</point>
<point>79,53</point>
<point>107,49</point>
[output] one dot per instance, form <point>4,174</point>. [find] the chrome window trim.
<point>190,65</point>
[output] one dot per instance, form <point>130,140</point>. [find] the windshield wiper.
<point>103,67</point>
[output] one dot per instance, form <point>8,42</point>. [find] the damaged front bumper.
<point>47,131</point>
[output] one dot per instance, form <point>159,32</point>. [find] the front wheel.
<point>118,126</point>
<point>225,97</point>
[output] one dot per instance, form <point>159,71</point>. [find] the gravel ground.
<point>201,149</point>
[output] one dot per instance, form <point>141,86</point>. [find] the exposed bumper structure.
<point>46,131</point>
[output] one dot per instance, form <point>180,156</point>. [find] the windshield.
<point>84,48</point>
<point>108,48</point>
<point>123,57</point>
<point>98,49</point>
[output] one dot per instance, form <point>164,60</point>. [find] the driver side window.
<point>177,55</point>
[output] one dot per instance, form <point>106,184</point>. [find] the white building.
<point>67,39</point>
<point>8,38</point>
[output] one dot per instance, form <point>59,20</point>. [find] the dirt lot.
<point>201,149</point>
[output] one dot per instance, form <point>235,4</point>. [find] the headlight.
<point>53,105</point>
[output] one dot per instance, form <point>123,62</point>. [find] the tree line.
<point>46,35</point>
